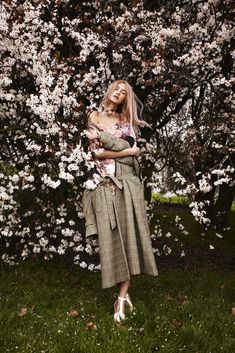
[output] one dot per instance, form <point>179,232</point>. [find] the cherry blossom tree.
<point>57,58</point>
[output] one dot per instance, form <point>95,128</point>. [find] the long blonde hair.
<point>131,108</point>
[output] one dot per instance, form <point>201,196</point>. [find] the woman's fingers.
<point>92,135</point>
<point>136,150</point>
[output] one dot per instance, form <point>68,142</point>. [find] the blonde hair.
<point>131,108</point>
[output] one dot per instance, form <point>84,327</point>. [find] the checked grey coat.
<point>120,221</point>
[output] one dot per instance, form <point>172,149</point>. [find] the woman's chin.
<point>115,100</point>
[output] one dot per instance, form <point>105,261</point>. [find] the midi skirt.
<point>121,223</point>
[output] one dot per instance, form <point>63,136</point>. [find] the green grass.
<point>176,199</point>
<point>200,301</point>
<point>180,311</point>
<point>198,236</point>
<point>180,199</point>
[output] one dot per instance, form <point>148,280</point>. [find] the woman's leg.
<point>123,289</point>
<point>122,293</point>
<point>123,299</point>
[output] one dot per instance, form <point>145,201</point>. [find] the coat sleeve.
<point>112,143</point>
<point>89,213</point>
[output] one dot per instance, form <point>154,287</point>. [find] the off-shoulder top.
<point>106,167</point>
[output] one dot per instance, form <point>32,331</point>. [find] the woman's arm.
<point>132,151</point>
<point>93,134</point>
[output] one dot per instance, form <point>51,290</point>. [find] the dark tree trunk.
<point>218,213</point>
<point>220,204</point>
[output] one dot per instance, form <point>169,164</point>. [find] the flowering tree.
<point>58,58</point>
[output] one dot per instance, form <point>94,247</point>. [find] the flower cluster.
<point>56,60</point>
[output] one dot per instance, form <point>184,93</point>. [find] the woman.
<point>115,208</point>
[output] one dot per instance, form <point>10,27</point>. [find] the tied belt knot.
<point>108,194</point>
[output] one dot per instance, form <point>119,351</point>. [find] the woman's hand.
<point>92,135</point>
<point>134,150</point>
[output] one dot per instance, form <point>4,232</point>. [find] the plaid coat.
<point>111,143</point>
<point>121,224</point>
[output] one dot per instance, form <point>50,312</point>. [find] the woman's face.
<point>119,93</point>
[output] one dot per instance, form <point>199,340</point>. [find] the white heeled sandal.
<point>120,314</point>
<point>128,299</point>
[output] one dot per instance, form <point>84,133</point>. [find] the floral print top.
<point>106,167</point>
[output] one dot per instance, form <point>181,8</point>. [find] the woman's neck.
<point>110,109</point>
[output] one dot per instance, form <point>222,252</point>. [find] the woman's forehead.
<point>121,85</point>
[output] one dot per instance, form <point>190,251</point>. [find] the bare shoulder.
<point>123,118</point>
<point>93,117</point>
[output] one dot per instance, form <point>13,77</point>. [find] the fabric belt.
<point>109,197</point>
<point>116,179</point>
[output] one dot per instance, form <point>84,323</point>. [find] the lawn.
<point>175,226</point>
<point>180,311</point>
<point>49,307</point>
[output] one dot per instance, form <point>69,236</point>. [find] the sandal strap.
<point>128,299</point>
<point>122,298</point>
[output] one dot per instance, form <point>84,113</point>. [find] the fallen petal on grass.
<point>168,297</point>
<point>185,302</point>
<point>176,323</point>
<point>22,312</point>
<point>91,326</point>
<point>73,313</point>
